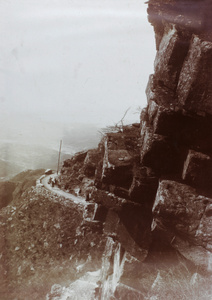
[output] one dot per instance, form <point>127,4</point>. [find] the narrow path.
<point>58,191</point>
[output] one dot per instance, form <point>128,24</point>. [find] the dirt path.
<point>56,190</point>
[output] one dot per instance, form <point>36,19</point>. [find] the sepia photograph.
<point>106,150</point>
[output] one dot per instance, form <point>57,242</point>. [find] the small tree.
<point>117,127</point>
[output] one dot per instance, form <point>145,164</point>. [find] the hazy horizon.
<point>68,68</point>
<point>75,61</point>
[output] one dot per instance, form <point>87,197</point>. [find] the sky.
<point>84,61</point>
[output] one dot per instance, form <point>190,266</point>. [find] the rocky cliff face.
<point>166,159</point>
<point>152,181</point>
<point>178,124</point>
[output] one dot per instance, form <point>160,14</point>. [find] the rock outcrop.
<point>178,124</point>
<point>159,172</point>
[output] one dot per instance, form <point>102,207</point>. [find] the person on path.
<point>53,182</point>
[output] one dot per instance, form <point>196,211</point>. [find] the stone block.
<point>137,222</point>
<point>91,161</point>
<point>184,129</point>
<point>156,91</point>
<point>194,88</point>
<point>107,199</point>
<point>198,255</point>
<point>179,208</point>
<point>119,176</point>
<point>170,56</point>
<point>144,191</point>
<point>183,219</point>
<point>117,226</point>
<point>203,233</point>
<point>144,187</point>
<point>117,168</point>
<point>121,150</point>
<point>158,152</point>
<point>119,158</point>
<point>198,169</point>
<point>166,121</point>
<point>122,213</point>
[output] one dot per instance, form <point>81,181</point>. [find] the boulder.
<point>137,221</point>
<point>118,228</point>
<point>183,128</point>
<point>120,150</point>
<point>128,221</point>
<point>203,233</point>
<point>200,257</point>
<point>198,169</point>
<point>117,168</point>
<point>144,186</point>
<point>184,218</point>
<point>194,88</point>
<point>119,158</point>
<point>158,152</point>
<point>170,56</point>
<point>91,161</point>
<point>159,93</point>
<point>179,208</point>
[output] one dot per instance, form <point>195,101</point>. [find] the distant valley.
<point>32,144</point>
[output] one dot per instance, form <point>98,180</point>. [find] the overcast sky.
<point>76,60</point>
